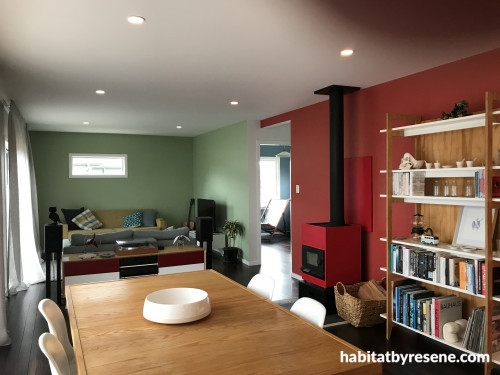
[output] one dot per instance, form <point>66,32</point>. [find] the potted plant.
<point>232,229</point>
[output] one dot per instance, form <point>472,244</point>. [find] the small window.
<point>97,165</point>
<point>269,180</point>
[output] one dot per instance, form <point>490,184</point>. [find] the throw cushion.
<point>69,214</point>
<point>86,220</point>
<point>133,220</point>
<point>149,218</point>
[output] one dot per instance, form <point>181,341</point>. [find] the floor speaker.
<point>204,229</point>
<point>53,238</point>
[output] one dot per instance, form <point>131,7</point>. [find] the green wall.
<point>160,174</point>
<point>221,173</point>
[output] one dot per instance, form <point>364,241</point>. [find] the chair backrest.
<point>57,325</point>
<point>54,351</point>
<point>263,285</point>
<point>311,310</point>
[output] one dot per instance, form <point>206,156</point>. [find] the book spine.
<point>436,318</point>
<point>463,275</point>
<point>405,309</point>
<point>476,184</point>
<point>433,317</point>
<point>483,281</point>
<point>481,185</point>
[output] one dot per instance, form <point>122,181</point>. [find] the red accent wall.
<point>427,93</point>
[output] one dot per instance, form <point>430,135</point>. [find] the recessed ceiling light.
<point>234,102</point>
<point>86,123</point>
<point>136,20</point>
<point>100,92</point>
<point>346,52</point>
<point>179,127</point>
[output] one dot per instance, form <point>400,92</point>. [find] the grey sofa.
<point>107,241</point>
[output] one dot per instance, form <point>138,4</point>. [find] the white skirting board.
<point>93,278</point>
<point>179,269</point>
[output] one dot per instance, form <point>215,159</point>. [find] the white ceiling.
<point>191,57</point>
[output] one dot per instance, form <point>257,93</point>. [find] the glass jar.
<point>453,188</point>
<point>469,193</point>
<point>446,189</point>
<point>436,191</point>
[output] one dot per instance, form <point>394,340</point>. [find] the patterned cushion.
<point>149,218</point>
<point>86,220</point>
<point>69,214</point>
<point>133,220</point>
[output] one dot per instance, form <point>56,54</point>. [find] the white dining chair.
<point>54,351</point>
<point>311,310</point>
<point>57,326</point>
<point>263,285</point>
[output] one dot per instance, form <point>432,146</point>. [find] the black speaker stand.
<point>48,260</point>
<point>208,254</point>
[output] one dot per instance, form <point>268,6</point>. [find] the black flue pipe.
<point>336,94</point>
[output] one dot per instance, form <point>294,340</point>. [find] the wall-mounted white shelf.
<point>439,284</point>
<point>452,201</point>
<point>440,126</point>
<point>441,247</point>
<point>455,345</point>
<point>442,172</point>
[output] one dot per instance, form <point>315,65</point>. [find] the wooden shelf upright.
<point>472,137</point>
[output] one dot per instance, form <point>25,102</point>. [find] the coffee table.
<point>140,246</point>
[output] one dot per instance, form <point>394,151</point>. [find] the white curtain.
<point>4,336</point>
<point>24,249</point>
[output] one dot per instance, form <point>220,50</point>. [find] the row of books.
<point>479,184</point>
<point>440,267</point>
<point>418,308</point>
<point>408,183</point>
<point>474,331</point>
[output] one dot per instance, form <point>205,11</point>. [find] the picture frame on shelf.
<point>470,228</point>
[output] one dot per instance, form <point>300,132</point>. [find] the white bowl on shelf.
<point>176,305</point>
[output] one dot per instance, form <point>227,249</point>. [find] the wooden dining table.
<point>244,333</point>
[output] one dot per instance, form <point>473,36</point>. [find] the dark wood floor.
<point>25,323</point>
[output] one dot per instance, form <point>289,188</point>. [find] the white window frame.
<point>123,156</point>
<point>278,182</point>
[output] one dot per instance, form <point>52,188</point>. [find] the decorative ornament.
<point>180,240</point>
<point>459,110</point>
<point>54,216</point>
<point>92,241</point>
<point>409,162</point>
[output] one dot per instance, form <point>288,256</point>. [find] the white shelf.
<point>440,285</point>
<point>441,247</point>
<point>453,201</point>
<point>452,344</point>
<point>440,126</point>
<point>442,172</point>
<point>496,298</point>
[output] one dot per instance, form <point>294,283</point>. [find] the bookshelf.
<point>472,137</point>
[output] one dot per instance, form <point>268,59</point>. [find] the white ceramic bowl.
<point>176,305</point>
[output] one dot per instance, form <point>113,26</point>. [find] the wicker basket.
<point>357,312</point>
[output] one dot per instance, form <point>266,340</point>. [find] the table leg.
<point>58,260</point>
<point>48,258</point>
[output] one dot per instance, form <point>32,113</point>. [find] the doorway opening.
<point>274,181</point>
